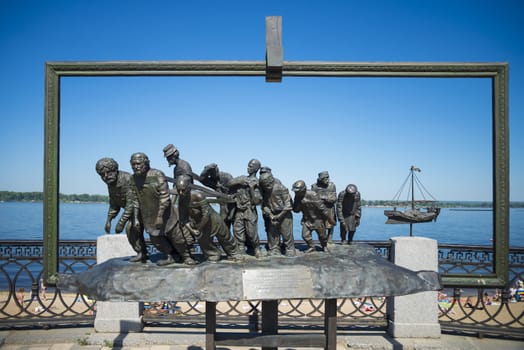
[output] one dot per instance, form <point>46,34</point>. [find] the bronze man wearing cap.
<point>327,192</point>
<point>277,212</point>
<point>205,240</point>
<point>212,177</point>
<point>348,212</point>
<point>246,191</point>
<point>122,196</point>
<point>182,168</point>
<point>315,214</point>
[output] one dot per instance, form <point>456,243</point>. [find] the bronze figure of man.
<point>247,194</point>
<point>315,214</point>
<point>122,196</point>
<point>206,224</point>
<point>155,210</point>
<point>204,239</point>
<point>277,212</point>
<point>327,192</point>
<point>182,169</point>
<point>212,177</point>
<point>348,212</point>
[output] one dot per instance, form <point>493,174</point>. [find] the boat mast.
<point>412,188</point>
<point>412,169</point>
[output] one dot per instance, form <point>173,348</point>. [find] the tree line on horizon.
<point>10,196</point>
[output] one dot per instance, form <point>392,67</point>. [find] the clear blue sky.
<point>363,131</point>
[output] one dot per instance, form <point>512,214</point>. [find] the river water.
<point>20,220</point>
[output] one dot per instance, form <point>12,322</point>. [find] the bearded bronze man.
<point>120,186</point>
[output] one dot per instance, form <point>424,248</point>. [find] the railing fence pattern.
<point>25,301</point>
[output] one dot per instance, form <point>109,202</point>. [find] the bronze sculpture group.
<point>175,219</point>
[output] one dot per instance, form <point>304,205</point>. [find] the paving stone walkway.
<point>158,338</point>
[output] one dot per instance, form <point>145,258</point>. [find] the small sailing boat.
<point>415,213</point>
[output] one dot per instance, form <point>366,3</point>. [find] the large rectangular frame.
<point>497,72</point>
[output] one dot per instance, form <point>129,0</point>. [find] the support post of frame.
<point>501,172</point>
<point>51,173</point>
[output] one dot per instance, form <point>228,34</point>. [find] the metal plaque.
<point>288,283</point>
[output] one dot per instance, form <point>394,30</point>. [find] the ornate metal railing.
<point>481,311</point>
<point>23,301</point>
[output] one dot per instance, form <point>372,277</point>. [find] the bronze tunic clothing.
<point>245,222</point>
<point>122,195</point>
<point>153,196</point>
<point>314,217</point>
<point>329,196</point>
<point>277,201</point>
<point>348,213</point>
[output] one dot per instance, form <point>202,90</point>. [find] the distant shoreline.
<point>10,196</point>
<point>471,209</point>
<point>61,201</point>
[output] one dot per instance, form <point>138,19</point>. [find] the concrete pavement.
<point>167,338</point>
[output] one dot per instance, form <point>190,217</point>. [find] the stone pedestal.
<point>414,315</point>
<point>116,317</point>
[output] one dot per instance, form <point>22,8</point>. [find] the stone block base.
<point>414,315</point>
<point>118,317</point>
<point>414,330</point>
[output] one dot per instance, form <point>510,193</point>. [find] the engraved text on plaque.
<point>292,282</point>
